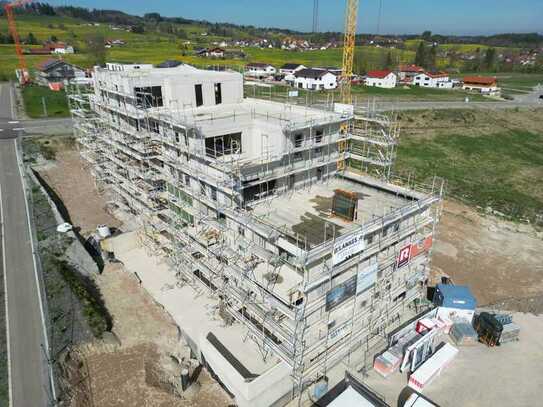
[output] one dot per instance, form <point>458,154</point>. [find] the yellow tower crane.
<point>351,14</point>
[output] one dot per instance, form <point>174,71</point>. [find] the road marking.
<point>34,254</point>
<point>19,129</point>
<point>10,385</point>
<point>13,122</point>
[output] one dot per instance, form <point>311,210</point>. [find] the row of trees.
<point>30,39</point>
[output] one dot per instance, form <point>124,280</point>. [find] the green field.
<point>497,165</point>
<point>56,102</point>
<point>361,93</point>
<point>153,47</point>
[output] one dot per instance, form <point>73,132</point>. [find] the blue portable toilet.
<point>454,296</point>
<point>455,302</point>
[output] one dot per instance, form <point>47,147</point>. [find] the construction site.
<point>253,208</point>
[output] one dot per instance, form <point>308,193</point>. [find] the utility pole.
<point>315,16</point>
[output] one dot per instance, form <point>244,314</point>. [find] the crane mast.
<point>23,68</point>
<point>351,14</point>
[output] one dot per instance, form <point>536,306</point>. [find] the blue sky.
<point>398,16</point>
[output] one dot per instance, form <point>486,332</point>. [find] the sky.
<point>397,16</point>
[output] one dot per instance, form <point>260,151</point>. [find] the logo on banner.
<point>405,255</point>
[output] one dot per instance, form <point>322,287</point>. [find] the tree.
<point>153,16</point>
<point>389,62</point>
<point>427,35</point>
<point>31,40</point>
<point>490,59</point>
<point>431,61</point>
<point>53,38</point>
<point>137,29</point>
<point>96,49</point>
<point>420,56</point>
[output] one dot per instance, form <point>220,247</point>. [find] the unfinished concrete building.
<point>311,263</point>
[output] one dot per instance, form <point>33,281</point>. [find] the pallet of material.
<point>510,333</point>
<point>432,368</point>
<point>386,364</point>
<point>463,334</point>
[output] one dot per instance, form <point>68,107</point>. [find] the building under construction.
<point>312,264</point>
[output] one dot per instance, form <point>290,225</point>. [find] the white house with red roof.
<point>381,79</point>
<point>433,80</point>
<point>483,84</point>
<point>406,73</point>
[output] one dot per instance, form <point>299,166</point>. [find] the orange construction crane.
<point>23,74</point>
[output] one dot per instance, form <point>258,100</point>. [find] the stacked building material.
<point>510,333</point>
<point>432,367</point>
<point>488,328</point>
<point>387,363</point>
<point>463,334</point>
<point>503,319</point>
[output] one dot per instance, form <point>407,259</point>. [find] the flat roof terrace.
<point>210,119</point>
<point>307,213</point>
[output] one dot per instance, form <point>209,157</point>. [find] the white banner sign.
<point>293,94</point>
<point>366,278</point>
<point>348,246</point>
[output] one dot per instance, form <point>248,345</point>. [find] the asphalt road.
<point>28,380</point>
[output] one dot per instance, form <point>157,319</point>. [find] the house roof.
<point>291,66</point>
<point>310,73</point>
<point>411,68</point>
<point>258,65</point>
<point>480,80</point>
<point>169,64</point>
<point>437,74</point>
<point>379,74</point>
<point>54,45</point>
<point>49,64</point>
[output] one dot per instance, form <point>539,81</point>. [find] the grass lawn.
<point>485,164</point>
<point>414,93</point>
<point>56,102</point>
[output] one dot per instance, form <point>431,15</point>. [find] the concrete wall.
<point>262,391</point>
<point>178,84</point>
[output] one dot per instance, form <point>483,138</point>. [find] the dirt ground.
<point>499,260</point>
<point>142,369</point>
<point>72,183</point>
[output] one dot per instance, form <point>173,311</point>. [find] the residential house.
<point>287,72</point>
<point>234,54</point>
<point>406,73</point>
<point>51,48</point>
<point>333,70</point>
<point>59,48</point>
<point>381,79</point>
<point>483,84</point>
<point>315,79</point>
<point>200,52</point>
<point>215,52</point>
<point>289,69</point>
<point>433,80</point>
<point>57,70</point>
<point>259,70</point>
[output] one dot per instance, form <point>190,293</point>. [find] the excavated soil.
<point>499,260</point>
